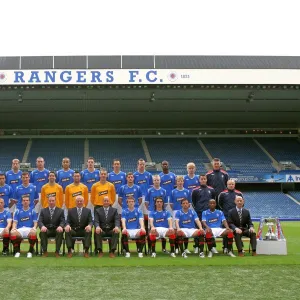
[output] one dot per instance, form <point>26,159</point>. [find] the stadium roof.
<point>149,62</point>
<point>149,106</point>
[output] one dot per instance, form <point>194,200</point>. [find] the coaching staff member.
<point>51,223</point>
<point>79,223</point>
<point>107,224</point>
<point>240,222</point>
<point>217,178</point>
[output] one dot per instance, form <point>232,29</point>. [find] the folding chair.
<point>51,241</point>
<point>76,241</point>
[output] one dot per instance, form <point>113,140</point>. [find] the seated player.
<point>133,227</point>
<point>240,222</point>
<point>213,219</point>
<point>161,226</point>
<point>24,226</point>
<point>5,225</point>
<point>185,220</point>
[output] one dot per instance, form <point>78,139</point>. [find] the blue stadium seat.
<point>178,152</point>
<point>274,204</point>
<point>10,149</point>
<point>241,155</point>
<point>54,150</point>
<point>127,150</point>
<point>283,149</point>
<point>295,195</point>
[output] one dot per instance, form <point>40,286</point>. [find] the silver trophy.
<point>272,233</point>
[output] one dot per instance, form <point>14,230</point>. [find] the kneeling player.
<point>212,220</point>
<point>5,225</point>
<point>133,227</point>
<point>161,226</point>
<point>185,224</point>
<point>24,226</point>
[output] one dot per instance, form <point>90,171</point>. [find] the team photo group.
<point>96,205</point>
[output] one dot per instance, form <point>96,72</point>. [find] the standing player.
<point>89,177</point>
<point>217,178</point>
<point>154,193</point>
<point>191,181</point>
<point>133,227</point>
<point>52,189</point>
<point>39,177</point>
<point>76,189</point>
<point>167,179</point>
<point>200,199</point>
<point>6,192</point>
<point>177,196</point>
<point>130,190</point>
<point>161,225</point>
<point>117,178</point>
<point>13,176</point>
<point>65,175</point>
<point>143,179</point>
<point>185,220</point>
<point>102,189</point>
<point>24,226</point>
<point>5,225</point>
<point>26,190</point>
<point>213,219</point>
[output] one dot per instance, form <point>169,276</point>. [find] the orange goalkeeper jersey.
<point>100,190</point>
<point>55,190</point>
<point>72,191</point>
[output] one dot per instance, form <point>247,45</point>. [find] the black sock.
<point>125,242</point>
<point>186,243</point>
<point>163,244</point>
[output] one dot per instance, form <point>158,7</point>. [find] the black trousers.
<point>106,233</point>
<point>78,233</point>
<point>51,233</point>
<point>247,233</point>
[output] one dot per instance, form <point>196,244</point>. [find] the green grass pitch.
<point>222,277</point>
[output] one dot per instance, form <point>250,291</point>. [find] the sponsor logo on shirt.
<point>65,179</point>
<point>180,199</point>
<point>51,195</point>
<point>186,221</point>
<point>1,220</point>
<point>213,220</point>
<point>77,194</point>
<point>117,182</point>
<point>132,220</point>
<point>129,194</point>
<point>167,182</point>
<point>14,181</point>
<point>142,181</point>
<point>41,179</point>
<point>25,219</point>
<point>103,193</point>
<point>160,220</point>
<point>192,186</point>
<point>2,194</point>
<point>91,180</point>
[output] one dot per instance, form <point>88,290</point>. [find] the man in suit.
<point>79,223</point>
<point>107,224</point>
<point>240,222</point>
<point>51,223</point>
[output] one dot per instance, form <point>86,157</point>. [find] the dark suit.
<point>107,224</point>
<point>58,219</point>
<point>78,227</point>
<point>244,225</point>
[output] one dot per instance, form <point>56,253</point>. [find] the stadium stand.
<point>284,149</point>
<point>295,195</point>
<point>53,151</point>
<point>241,155</point>
<point>178,152</point>
<point>275,204</point>
<point>10,149</point>
<point>127,150</point>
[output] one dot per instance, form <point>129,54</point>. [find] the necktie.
<point>79,213</point>
<point>51,213</point>
<point>240,216</point>
<point>106,212</point>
